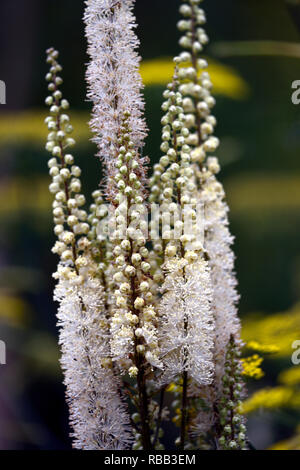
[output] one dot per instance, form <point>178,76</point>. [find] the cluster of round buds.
<point>196,84</point>
<point>126,175</point>
<point>97,216</point>
<point>174,146</point>
<point>137,445</point>
<point>70,218</point>
<point>173,183</point>
<point>133,325</point>
<point>187,138</point>
<point>194,37</point>
<point>99,237</point>
<point>232,422</point>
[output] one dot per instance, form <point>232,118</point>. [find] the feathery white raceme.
<point>114,82</point>
<point>218,243</point>
<point>97,413</point>
<point>187,324</point>
<point>198,104</point>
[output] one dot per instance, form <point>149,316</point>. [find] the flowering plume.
<point>164,314</point>
<point>186,175</point>
<point>97,412</point>
<point>114,86</point>
<point>187,322</point>
<point>114,82</point>
<point>218,243</point>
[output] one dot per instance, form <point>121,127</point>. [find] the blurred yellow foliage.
<point>271,398</point>
<point>225,79</point>
<point>251,366</point>
<point>29,127</point>
<point>262,348</point>
<point>261,191</point>
<point>21,194</point>
<point>290,376</point>
<point>280,329</point>
<point>13,309</point>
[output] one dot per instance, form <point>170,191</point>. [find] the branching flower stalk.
<point>97,414</point>
<point>133,325</point>
<point>115,89</point>
<point>146,308</point>
<point>186,335</point>
<point>188,105</point>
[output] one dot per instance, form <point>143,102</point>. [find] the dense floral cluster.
<point>146,308</point>
<point>114,82</point>
<point>91,387</point>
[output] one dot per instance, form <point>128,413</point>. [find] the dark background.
<point>261,173</point>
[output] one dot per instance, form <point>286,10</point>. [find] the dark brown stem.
<point>183,410</point>
<point>161,405</point>
<point>143,405</point>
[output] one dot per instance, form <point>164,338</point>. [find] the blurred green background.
<point>259,128</point>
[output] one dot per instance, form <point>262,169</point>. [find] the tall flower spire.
<point>218,243</point>
<point>97,412</point>
<point>187,323</point>
<point>114,86</point>
<point>114,82</point>
<point>186,174</point>
<point>164,316</point>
